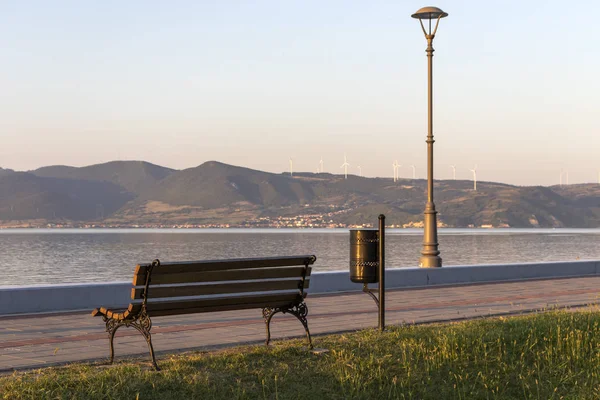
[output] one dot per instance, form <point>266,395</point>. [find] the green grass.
<point>552,355</point>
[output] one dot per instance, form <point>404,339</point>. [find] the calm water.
<point>38,256</point>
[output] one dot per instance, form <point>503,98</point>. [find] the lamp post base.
<point>430,255</point>
<point>430,261</point>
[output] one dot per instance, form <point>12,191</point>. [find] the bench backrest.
<point>220,285</point>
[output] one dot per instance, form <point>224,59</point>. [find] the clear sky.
<point>253,83</point>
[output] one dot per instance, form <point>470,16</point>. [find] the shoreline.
<point>391,229</point>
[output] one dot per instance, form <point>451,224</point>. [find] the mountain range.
<point>138,193</point>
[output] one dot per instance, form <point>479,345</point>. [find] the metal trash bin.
<point>364,255</point>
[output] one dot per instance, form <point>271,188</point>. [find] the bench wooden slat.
<point>233,307</point>
<point>226,275</point>
<point>222,265</point>
<point>238,301</point>
<point>179,306</point>
<point>219,288</point>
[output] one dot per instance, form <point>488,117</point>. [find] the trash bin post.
<point>381,272</point>
<point>367,263</point>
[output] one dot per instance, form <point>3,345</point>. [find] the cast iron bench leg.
<point>111,327</point>
<point>142,323</point>
<point>300,311</point>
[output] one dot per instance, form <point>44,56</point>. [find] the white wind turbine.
<point>291,167</point>
<point>395,165</point>
<point>359,170</point>
<point>414,171</point>
<point>345,165</point>
<point>453,171</point>
<point>560,178</point>
<point>321,164</point>
<point>474,171</point>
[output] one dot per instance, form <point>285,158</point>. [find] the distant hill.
<point>135,176</point>
<point>5,171</point>
<point>214,184</point>
<point>535,206</point>
<point>139,193</point>
<point>26,196</point>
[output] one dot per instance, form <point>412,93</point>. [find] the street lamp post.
<point>430,255</point>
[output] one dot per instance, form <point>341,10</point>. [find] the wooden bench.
<point>275,284</point>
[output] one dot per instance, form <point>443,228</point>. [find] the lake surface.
<point>46,256</point>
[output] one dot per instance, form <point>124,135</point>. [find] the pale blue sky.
<point>252,83</point>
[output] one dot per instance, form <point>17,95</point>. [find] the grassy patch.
<point>544,356</point>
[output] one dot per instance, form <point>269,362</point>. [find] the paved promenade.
<point>43,340</point>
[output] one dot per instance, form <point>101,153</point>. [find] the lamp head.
<point>429,13</point>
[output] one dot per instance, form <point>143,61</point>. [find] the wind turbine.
<point>321,164</point>
<point>291,167</point>
<point>474,171</point>
<point>345,165</point>
<point>453,171</point>
<point>395,165</point>
<point>414,170</point>
<point>359,170</point>
<point>560,178</point>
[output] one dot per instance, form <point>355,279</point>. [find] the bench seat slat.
<point>227,275</point>
<point>236,302</point>
<point>179,306</point>
<point>233,307</point>
<point>223,265</point>
<point>218,288</point>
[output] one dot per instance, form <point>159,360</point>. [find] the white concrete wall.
<point>414,277</point>
<point>71,297</point>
